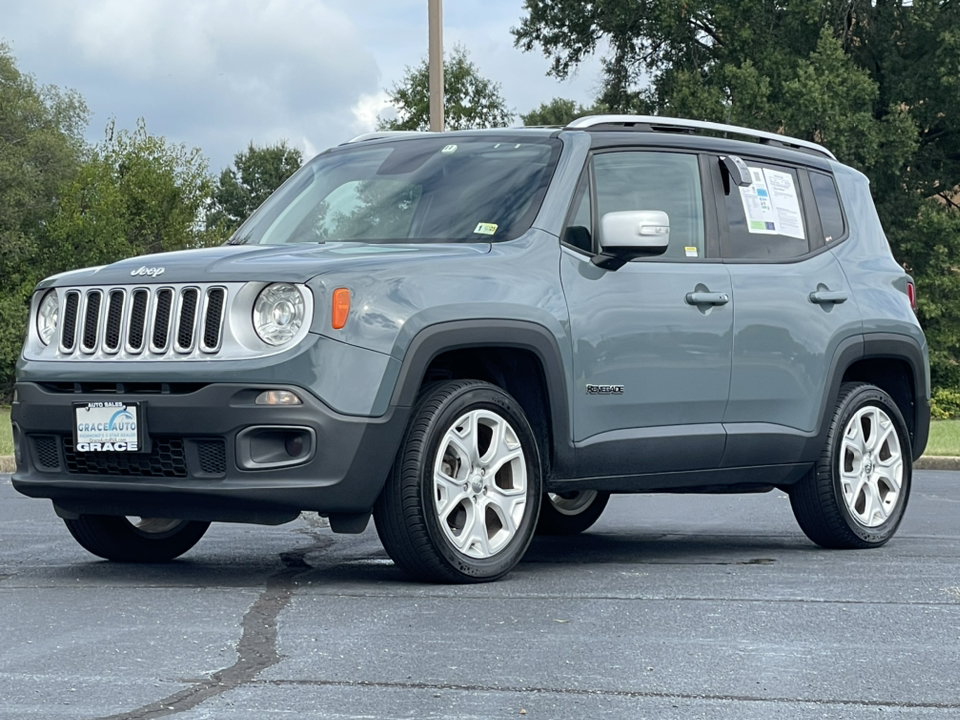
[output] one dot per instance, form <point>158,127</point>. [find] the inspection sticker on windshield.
<point>107,427</point>
<point>691,251</point>
<point>448,149</point>
<point>486,229</point>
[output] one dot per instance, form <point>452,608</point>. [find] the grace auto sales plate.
<point>106,427</point>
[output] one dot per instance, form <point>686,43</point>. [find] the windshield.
<point>430,189</point>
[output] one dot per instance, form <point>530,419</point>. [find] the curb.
<point>926,462</point>
<point>937,462</point>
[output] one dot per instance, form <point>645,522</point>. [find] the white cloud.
<point>369,109</point>
<point>216,74</point>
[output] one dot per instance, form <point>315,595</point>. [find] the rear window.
<point>766,218</point>
<point>410,191</point>
<point>828,205</point>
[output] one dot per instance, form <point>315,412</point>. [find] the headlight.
<point>48,316</point>
<point>278,313</point>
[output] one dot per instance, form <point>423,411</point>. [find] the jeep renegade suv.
<point>476,336</point>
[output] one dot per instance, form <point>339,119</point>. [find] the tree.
<point>255,174</point>
<point>471,101</point>
<point>40,145</point>
<point>135,194</point>
<point>874,80</point>
<point>559,111</point>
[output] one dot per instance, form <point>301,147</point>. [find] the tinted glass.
<point>669,182</point>
<point>766,218</point>
<point>415,190</point>
<point>580,230</point>
<point>828,205</point>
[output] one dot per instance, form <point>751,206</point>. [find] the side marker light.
<point>341,307</point>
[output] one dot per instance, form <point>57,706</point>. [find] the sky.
<point>218,74</point>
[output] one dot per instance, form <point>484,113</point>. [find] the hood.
<point>271,263</point>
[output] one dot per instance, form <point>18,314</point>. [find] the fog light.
<point>294,445</point>
<point>277,397</point>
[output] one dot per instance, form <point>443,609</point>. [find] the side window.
<point>765,218</point>
<point>645,180</point>
<point>828,205</point>
<point>579,232</point>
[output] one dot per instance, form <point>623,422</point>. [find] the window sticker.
<point>486,229</point>
<point>449,149</point>
<point>691,252</point>
<point>770,204</point>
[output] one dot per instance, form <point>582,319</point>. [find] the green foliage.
<point>875,81</point>
<point>6,432</point>
<point>558,111</point>
<point>135,194</point>
<point>945,404</point>
<point>470,100</point>
<point>40,145</point>
<point>255,174</point>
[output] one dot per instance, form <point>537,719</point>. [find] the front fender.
<point>438,338</point>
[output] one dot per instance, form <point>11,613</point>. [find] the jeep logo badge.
<point>152,272</point>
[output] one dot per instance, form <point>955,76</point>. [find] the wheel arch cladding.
<point>895,364</point>
<point>522,358</point>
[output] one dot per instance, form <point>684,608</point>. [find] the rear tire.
<point>570,513</point>
<point>150,540</point>
<point>855,496</point>
<point>462,500</point>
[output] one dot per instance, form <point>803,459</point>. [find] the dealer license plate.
<point>107,427</point>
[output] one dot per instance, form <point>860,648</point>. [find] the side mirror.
<point>737,170</point>
<point>632,234</point>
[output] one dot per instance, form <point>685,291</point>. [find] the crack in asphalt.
<point>257,647</point>
<point>635,694</point>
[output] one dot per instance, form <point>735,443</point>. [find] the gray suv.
<point>478,336</point>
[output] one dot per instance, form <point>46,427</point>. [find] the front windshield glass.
<point>430,189</point>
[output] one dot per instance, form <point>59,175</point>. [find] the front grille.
<point>161,320</point>
<point>91,320</point>
<point>138,320</point>
<point>165,459</point>
<point>119,388</point>
<point>151,322</point>
<point>213,456</point>
<point>188,319</point>
<point>213,320</point>
<point>68,338</point>
<point>111,338</point>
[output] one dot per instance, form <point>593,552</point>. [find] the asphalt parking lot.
<point>671,607</point>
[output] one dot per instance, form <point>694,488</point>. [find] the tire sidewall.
<point>850,405</point>
<point>554,522</point>
<point>480,398</point>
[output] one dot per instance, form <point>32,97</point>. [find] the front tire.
<point>855,496</point>
<point>570,513</point>
<point>149,540</point>
<point>462,500</point>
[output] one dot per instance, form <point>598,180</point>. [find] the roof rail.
<point>383,134</point>
<point>654,122</point>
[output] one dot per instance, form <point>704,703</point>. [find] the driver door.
<point>651,366</point>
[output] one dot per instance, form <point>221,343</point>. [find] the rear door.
<point>794,308</point>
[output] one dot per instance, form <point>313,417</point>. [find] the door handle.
<point>707,298</point>
<point>825,297</point>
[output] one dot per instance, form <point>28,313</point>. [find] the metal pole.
<point>436,65</point>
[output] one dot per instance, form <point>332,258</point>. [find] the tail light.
<point>912,295</point>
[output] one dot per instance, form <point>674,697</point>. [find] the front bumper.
<point>199,443</point>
